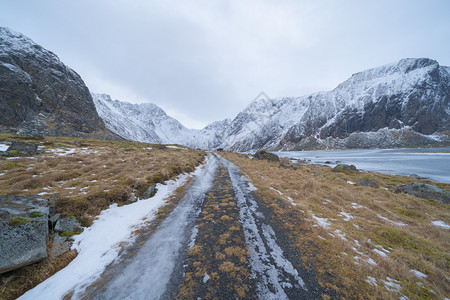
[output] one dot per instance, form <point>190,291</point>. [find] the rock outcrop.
<point>23,148</point>
<point>23,230</point>
<point>425,191</point>
<point>39,95</point>
<point>367,182</point>
<point>260,155</point>
<point>342,168</point>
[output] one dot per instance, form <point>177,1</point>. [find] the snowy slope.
<point>146,122</point>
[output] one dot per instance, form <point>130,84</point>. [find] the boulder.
<point>287,164</point>
<point>61,245</point>
<point>67,224</point>
<point>261,154</point>
<point>53,219</point>
<point>415,176</point>
<point>23,230</point>
<point>342,168</point>
<point>150,192</point>
<point>23,148</point>
<point>160,147</point>
<point>367,182</point>
<point>425,191</point>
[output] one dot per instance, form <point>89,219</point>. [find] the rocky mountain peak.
<point>40,95</point>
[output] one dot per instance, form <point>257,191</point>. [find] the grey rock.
<point>53,219</point>
<point>425,191</point>
<point>40,95</point>
<point>150,192</point>
<point>417,176</point>
<point>367,182</point>
<point>287,164</point>
<point>61,245</point>
<point>264,155</point>
<point>67,224</point>
<point>25,244</point>
<point>342,167</point>
<point>23,148</point>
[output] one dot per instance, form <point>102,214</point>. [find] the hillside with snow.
<point>146,122</point>
<point>404,104</point>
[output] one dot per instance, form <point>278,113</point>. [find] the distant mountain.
<point>39,95</point>
<point>146,122</point>
<point>404,104</point>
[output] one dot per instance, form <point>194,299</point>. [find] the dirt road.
<point>216,243</point>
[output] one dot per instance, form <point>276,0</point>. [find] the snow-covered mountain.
<point>146,122</point>
<point>404,104</point>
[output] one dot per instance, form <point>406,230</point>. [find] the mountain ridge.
<point>402,104</point>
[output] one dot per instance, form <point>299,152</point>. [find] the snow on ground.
<point>4,147</point>
<point>392,222</point>
<point>99,244</point>
<point>285,197</point>
<point>392,285</point>
<point>418,274</point>
<point>381,253</point>
<point>151,269</point>
<point>340,234</point>
<point>356,205</point>
<point>382,249</point>
<point>274,274</point>
<point>440,224</point>
<point>350,182</point>
<point>371,280</point>
<point>322,222</point>
<point>347,217</point>
<point>62,152</point>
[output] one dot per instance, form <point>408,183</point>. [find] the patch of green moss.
<point>36,214</point>
<point>391,237</point>
<point>67,233</point>
<point>18,221</point>
<point>414,291</point>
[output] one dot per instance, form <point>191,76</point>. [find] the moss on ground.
<point>17,221</point>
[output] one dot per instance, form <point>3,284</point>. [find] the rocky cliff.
<point>39,95</point>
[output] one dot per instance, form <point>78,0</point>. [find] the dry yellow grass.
<point>88,178</point>
<point>351,232</point>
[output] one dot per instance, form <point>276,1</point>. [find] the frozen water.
<point>426,162</point>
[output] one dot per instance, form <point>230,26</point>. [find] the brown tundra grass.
<point>359,221</point>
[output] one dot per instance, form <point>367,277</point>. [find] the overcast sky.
<point>205,60</point>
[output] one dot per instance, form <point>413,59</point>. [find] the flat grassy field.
<point>363,242</point>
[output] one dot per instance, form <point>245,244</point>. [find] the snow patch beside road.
<point>99,245</point>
